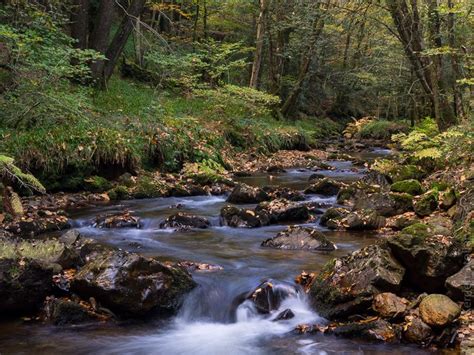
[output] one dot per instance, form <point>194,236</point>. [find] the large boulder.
<point>131,285</point>
<point>295,237</point>
<point>326,187</point>
<point>438,310</point>
<point>243,217</point>
<point>406,172</point>
<point>184,221</point>
<point>243,194</point>
<point>347,285</point>
<point>282,210</point>
<point>459,285</point>
<point>24,284</point>
<point>428,259</point>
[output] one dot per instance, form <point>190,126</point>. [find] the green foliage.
<point>381,129</point>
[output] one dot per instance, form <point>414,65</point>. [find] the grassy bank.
<point>132,126</point>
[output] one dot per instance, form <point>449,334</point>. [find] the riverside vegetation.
<point>106,104</point>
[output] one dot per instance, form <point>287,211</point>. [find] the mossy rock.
<point>147,187</point>
<point>406,172</point>
<point>418,232</point>
<point>97,184</point>
<point>119,192</point>
<point>412,187</point>
<point>426,204</point>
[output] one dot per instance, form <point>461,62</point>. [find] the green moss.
<point>416,232</point>
<point>97,184</point>
<point>406,172</point>
<point>148,187</point>
<point>119,192</point>
<point>426,204</point>
<point>412,187</point>
<point>46,251</point>
<point>439,186</point>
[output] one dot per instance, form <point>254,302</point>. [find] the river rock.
<point>326,187</point>
<point>416,331</point>
<point>63,311</point>
<point>117,220</point>
<point>459,285</point>
<point>282,210</point>
<point>447,199</point>
<point>389,305</point>
<point>24,284</point>
<point>245,194</point>
<point>285,315</point>
<point>296,237</point>
<point>406,172</point>
<point>332,217</point>
<point>375,178</point>
<point>347,285</point>
<point>385,204</point>
<point>438,310</point>
<point>363,220</point>
<point>315,177</point>
<point>428,259</point>
<point>269,295</point>
<point>131,285</point>
<point>243,217</point>
<point>376,330</point>
<point>426,204</point>
<point>412,187</point>
<point>284,192</point>
<point>184,221</point>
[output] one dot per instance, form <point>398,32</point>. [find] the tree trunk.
<point>257,62</point>
<point>99,38</point>
<point>80,23</point>
<point>204,20</point>
<point>121,37</point>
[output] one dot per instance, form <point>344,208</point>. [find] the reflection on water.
<point>209,322</point>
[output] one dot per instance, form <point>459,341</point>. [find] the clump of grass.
<point>381,129</point>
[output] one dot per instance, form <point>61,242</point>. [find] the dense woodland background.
<point>88,85</point>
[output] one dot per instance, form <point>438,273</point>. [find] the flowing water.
<point>209,322</point>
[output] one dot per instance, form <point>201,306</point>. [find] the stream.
<point>209,322</point>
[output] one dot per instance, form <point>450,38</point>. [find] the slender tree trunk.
<point>257,62</point>
<point>204,20</point>
<point>80,23</point>
<point>195,25</point>
<point>138,42</point>
<point>457,92</point>
<point>121,36</point>
<point>99,38</point>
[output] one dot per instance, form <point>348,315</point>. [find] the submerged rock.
<point>295,237</point>
<point>63,311</point>
<point>326,187</point>
<point>131,285</point>
<point>117,220</point>
<point>269,295</point>
<point>286,314</point>
<point>245,194</point>
<point>428,259</point>
<point>438,310</point>
<point>183,221</point>
<point>282,210</point>
<point>347,285</point>
<point>243,218</point>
